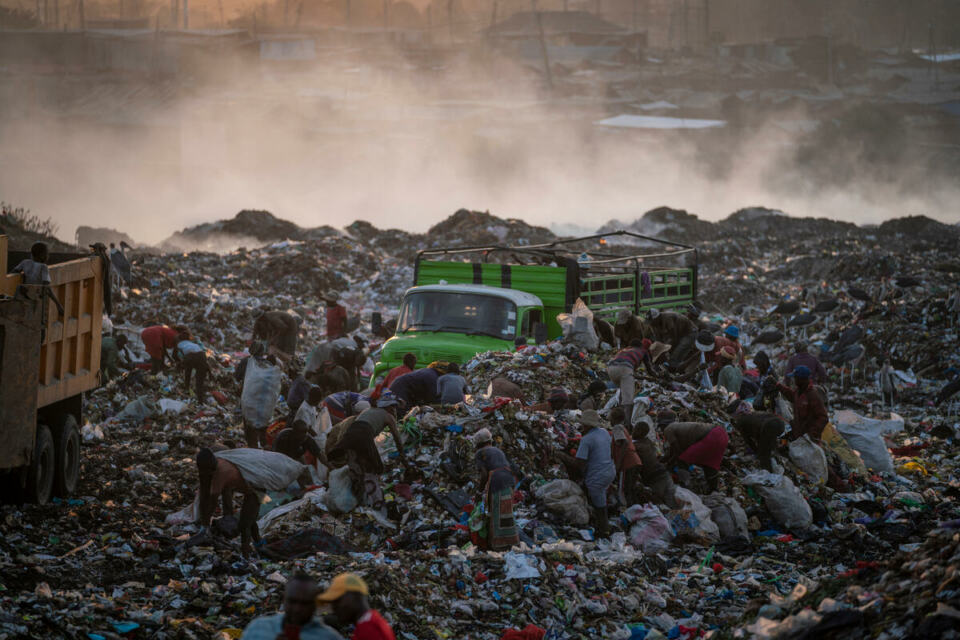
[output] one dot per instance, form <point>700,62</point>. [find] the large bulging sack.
<point>261,389</point>
<point>693,517</point>
<point>578,326</point>
<point>782,498</point>
<point>865,436</point>
<point>730,518</point>
<point>809,458</point>
<point>339,497</point>
<point>566,499</point>
<point>650,531</point>
<point>263,470</point>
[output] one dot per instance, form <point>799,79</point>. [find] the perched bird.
<point>851,335</point>
<point>769,336</point>
<point>905,282</point>
<point>784,309</point>
<point>826,308</point>
<point>859,294</point>
<point>802,320</point>
<point>850,355</point>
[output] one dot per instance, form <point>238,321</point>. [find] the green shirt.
<point>730,378</point>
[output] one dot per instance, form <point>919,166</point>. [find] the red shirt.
<point>372,626</point>
<point>392,375</point>
<point>336,318</point>
<point>157,338</point>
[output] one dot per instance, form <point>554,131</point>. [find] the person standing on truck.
<point>419,387</point>
<point>408,366</point>
<point>451,386</point>
<point>111,349</point>
<point>336,315</point>
<point>622,370</point>
<point>34,271</point>
<point>193,358</point>
<point>156,341</point>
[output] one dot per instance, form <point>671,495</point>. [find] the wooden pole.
<point>543,44</point>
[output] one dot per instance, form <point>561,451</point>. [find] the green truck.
<point>468,300</point>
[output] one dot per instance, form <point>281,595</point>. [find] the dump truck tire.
<point>42,468</point>
<point>66,439</point>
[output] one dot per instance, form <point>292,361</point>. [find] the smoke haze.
<point>403,145</point>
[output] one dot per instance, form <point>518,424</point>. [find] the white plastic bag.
<point>784,409</point>
<point>730,518</point>
<point>339,497</point>
<point>187,515</point>
<point>565,498</point>
<point>809,458</point>
<point>578,326</point>
<point>693,517</point>
<point>865,436</point>
<point>261,389</point>
<point>136,410</point>
<point>519,566</point>
<point>651,533</point>
<point>169,405</point>
<point>783,500</point>
<point>263,470</point>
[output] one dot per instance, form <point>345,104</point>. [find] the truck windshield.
<point>458,313</point>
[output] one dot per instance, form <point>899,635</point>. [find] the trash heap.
<point>772,556</point>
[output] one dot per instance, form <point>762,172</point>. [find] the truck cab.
<point>454,322</point>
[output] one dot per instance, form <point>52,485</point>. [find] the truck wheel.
<point>42,468</point>
<point>67,445</point>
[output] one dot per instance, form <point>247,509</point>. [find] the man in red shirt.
<point>809,413</point>
<point>348,594</point>
<point>409,364</point>
<point>336,315</point>
<point>156,340</point>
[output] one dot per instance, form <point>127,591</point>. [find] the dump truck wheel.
<point>42,468</point>
<point>67,445</point>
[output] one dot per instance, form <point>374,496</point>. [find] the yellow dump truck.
<point>46,363</point>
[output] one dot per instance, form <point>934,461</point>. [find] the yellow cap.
<point>344,583</point>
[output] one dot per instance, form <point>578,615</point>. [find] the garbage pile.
<point>799,550</point>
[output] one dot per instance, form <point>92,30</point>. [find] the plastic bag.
<point>730,518</point>
<point>339,497</point>
<point>693,517</point>
<point>261,389</point>
<point>782,498</point>
<point>809,458</point>
<point>137,410</point>
<point>651,533</point>
<point>519,566</point>
<point>566,499</point>
<point>865,436</point>
<point>187,515</point>
<point>169,405</point>
<point>263,470</point>
<point>578,326</point>
<point>784,409</point>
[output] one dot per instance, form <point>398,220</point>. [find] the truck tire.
<point>42,468</point>
<point>66,440</point>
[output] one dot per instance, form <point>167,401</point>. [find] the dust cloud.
<point>403,145</point>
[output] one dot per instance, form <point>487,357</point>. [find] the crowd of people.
<point>616,459</point>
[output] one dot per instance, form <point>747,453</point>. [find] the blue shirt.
<point>451,388</point>
<point>269,627</point>
<point>185,347</point>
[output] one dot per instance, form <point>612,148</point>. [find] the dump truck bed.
<point>69,361</point>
